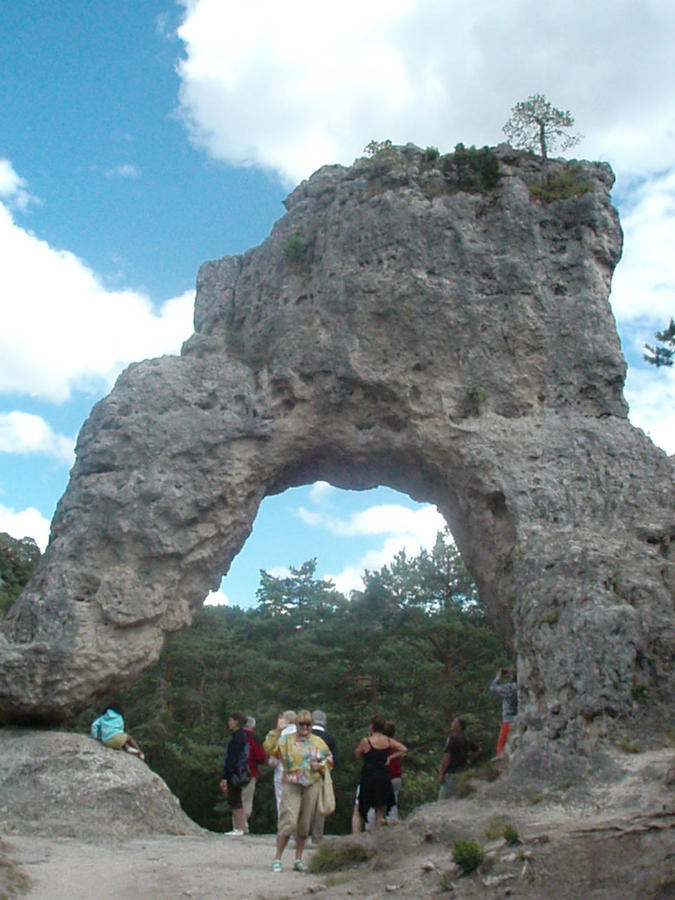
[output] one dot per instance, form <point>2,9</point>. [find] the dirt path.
<point>167,867</point>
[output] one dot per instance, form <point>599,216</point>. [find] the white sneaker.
<point>234,833</point>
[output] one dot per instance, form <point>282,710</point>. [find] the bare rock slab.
<point>60,784</point>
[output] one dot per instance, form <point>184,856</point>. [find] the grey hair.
<point>249,723</point>
<point>319,717</point>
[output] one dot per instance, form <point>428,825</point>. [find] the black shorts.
<point>234,796</point>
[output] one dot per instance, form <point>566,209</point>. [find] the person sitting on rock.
<point>109,729</point>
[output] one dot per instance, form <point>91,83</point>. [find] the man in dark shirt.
<point>460,750</point>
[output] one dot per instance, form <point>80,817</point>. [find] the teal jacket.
<point>107,726</point>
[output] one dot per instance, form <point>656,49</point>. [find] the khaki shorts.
<point>298,806</point>
<point>117,741</point>
<point>247,793</point>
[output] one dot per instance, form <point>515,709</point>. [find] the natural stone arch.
<point>392,330</point>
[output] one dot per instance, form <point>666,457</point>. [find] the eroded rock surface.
<point>60,784</point>
<point>393,329</point>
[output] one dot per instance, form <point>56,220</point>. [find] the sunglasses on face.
<point>304,724</point>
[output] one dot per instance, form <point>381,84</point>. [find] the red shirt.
<point>256,754</point>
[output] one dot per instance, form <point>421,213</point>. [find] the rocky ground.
<point>612,841</point>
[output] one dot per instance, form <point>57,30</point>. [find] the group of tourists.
<point>303,754</point>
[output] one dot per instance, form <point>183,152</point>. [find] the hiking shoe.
<point>299,866</point>
<point>234,833</point>
<point>276,865</point>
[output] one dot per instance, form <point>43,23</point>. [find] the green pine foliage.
<point>663,355</point>
<point>415,646</point>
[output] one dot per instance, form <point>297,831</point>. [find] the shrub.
<point>464,786</point>
<point>468,855</point>
<point>333,855</point>
<point>511,835</point>
<point>431,154</point>
<point>561,185</point>
<point>472,169</point>
<point>445,881</point>
<point>374,147</point>
<point>494,828</point>
<point>296,249</point>
<point>487,771</point>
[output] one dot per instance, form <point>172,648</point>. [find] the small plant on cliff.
<point>468,855</point>
<point>562,185</point>
<point>536,123</point>
<point>474,397</point>
<point>373,148</point>
<point>296,249</point>
<point>431,154</point>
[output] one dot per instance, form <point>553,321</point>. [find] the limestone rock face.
<point>393,329</point>
<point>59,784</point>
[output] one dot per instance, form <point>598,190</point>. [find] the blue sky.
<point>140,139</point>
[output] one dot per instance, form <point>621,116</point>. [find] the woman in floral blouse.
<point>302,755</point>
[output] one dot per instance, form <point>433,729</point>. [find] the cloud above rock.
<point>292,87</point>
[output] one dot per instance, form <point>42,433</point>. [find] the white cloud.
<point>291,87</point>
<point>126,171</point>
<point>406,529</point>
<point>217,598</point>
<point>62,330</point>
<point>320,491</point>
<point>651,396</point>
<point>13,188</point>
<point>423,523</point>
<point>27,523</point>
<point>279,572</point>
<point>22,432</point>
<point>643,287</point>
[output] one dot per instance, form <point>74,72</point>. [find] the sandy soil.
<point>166,867</point>
<point>605,842</point>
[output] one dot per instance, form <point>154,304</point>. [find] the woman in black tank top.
<point>375,788</point>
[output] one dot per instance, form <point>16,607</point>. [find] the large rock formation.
<point>57,784</point>
<point>395,328</point>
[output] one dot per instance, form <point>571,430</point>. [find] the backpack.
<point>241,775</point>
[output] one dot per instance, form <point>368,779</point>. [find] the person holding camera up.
<point>507,689</point>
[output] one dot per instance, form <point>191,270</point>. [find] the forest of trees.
<point>18,559</point>
<point>415,646</point>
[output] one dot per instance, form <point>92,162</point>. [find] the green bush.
<point>471,169</point>
<point>372,148</point>
<point>297,249</point>
<point>511,835</point>
<point>333,855</point>
<point>464,786</point>
<point>494,828</point>
<point>431,154</point>
<point>561,185</point>
<point>468,855</point>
